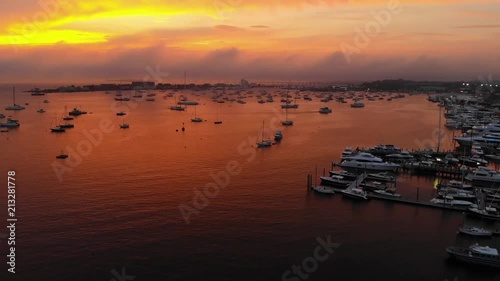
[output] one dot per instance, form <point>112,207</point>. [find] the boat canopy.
<point>484,250</point>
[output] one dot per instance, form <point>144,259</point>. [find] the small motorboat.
<point>62,156</point>
<point>383,176</point>
<point>66,126</point>
<point>323,189</point>
<point>57,130</point>
<point>475,231</point>
<point>387,193</point>
<point>355,193</point>
<point>449,200</point>
<point>325,110</point>
<point>278,135</point>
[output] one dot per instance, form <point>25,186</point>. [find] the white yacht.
<point>403,155</point>
<point>475,231</point>
<point>485,140</point>
<point>57,130</point>
<point>348,151</point>
<point>14,106</point>
<point>325,110</point>
<point>195,118</point>
<point>177,108</point>
<point>475,254</point>
<point>484,174</point>
<point>187,102</point>
<point>368,161</point>
<point>287,122</point>
<point>323,189</point>
<point>334,181</point>
<point>264,143</point>
<point>345,174</point>
<point>10,123</point>
<point>278,135</point>
<point>458,185</point>
<point>457,194</point>
<point>487,212</point>
<point>387,193</point>
<point>76,112</point>
<point>358,105</point>
<point>290,105</point>
<point>474,160</point>
<point>449,200</point>
<point>386,149</point>
<point>355,193</point>
<point>382,176</point>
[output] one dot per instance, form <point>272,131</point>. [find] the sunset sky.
<point>260,40</point>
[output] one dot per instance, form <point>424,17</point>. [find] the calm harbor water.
<point>116,205</point>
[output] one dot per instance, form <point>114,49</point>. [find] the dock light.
<point>467,84</point>
<point>481,85</point>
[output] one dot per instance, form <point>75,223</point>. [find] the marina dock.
<point>437,170</point>
<point>406,201</point>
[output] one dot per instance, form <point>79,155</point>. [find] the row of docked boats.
<point>389,158</point>
<point>357,186</point>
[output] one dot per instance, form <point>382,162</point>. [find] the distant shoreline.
<point>399,85</point>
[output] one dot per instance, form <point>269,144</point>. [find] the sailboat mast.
<point>262,133</point>
<point>14,94</point>
<point>439,134</point>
